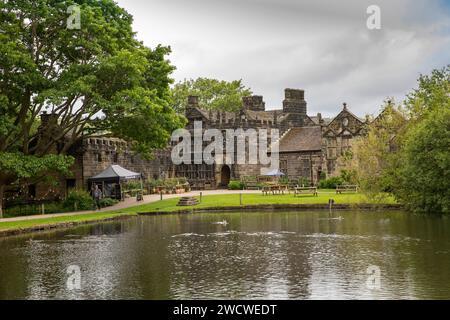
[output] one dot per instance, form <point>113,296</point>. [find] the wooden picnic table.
<point>305,190</point>
<point>346,188</point>
<point>275,189</point>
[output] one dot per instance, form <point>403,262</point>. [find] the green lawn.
<point>170,205</point>
<point>65,219</point>
<point>229,200</point>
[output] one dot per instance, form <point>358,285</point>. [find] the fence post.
<point>201,195</point>
<point>42,208</point>
<point>160,195</point>
<point>330,204</point>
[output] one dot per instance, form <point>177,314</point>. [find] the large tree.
<point>422,172</point>
<point>96,79</point>
<point>213,94</point>
<point>408,153</point>
<point>374,154</point>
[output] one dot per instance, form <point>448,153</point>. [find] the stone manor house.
<point>309,146</point>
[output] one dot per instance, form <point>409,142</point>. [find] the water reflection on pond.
<point>278,255</point>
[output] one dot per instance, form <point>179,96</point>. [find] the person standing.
<point>97,193</point>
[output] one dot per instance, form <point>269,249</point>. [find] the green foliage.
<point>409,154</point>
<point>131,185</point>
<point>302,181</point>
<point>423,182</point>
<point>323,176</point>
<point>28,166</point>
<point>236,185</point>
<point>99,79</point>
<point>169,184</point>
<point>107,202</point>
<point>331,183</point>
<point>431,94</point>
<point>33,209</point>
<point>373,155</point>
<point>349,176</point>
<point>79,199</point>
<point>153,183</point>
<point>283,180</point>
<point>213,94</point>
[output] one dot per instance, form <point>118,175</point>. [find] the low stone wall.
<point>273,207</point>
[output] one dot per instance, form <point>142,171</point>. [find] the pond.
<point>261,255</point>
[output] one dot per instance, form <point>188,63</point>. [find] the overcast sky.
<point>323,47</point>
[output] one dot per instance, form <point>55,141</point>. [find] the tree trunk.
<point>2,189</point>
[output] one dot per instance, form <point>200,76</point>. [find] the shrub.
<point>283,180</point>
<point>32,209</point>
<point>182,180</point>
<point>235,185</point>
<point>81,198</point>
<point>132,185</point>
<point>323,176</point>
<point>108,202</point>
<point>302,181</point>
<point>349,176</point>
<point>331,183</point>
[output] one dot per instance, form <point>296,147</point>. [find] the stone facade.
<point>309,146</point>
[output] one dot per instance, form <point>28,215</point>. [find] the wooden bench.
<point>305,190</point>
<point>250,184</point>
<point>346,188</point>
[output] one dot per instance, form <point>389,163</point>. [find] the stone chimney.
<point>193,101</point>
<point>49,129</point>
<point>319,118</point>
<point>48,119</point>
<point>191,104</point>
<point>294,101</point>
<point>254,103</point>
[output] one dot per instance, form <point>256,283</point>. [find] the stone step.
<point>187,201</point>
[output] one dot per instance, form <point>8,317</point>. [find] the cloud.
<point>323,47</point>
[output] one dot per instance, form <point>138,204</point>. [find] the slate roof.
<point>302,139</point>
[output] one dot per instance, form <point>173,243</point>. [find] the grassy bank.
<point>24,224</point>
<point>212,201</point>
<point>233,200</point>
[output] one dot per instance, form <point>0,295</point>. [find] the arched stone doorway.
<point>225,176</point>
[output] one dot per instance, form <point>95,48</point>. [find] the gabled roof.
<point>302,139</point>
<point>346,111</point>
<point>201,112</point>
